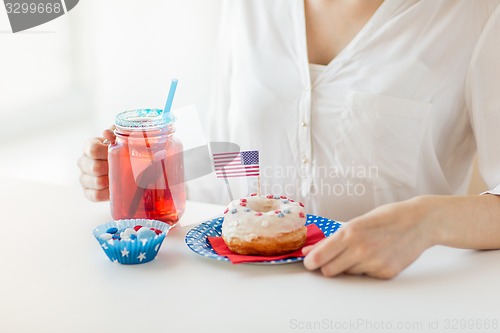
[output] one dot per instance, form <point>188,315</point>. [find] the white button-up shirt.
<point>399,112</point>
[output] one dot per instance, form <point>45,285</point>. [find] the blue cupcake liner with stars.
<point>137,251</point>
<point>197,238</point>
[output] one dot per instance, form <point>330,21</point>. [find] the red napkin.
<point>314,235</point>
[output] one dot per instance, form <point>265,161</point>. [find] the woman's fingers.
<point>324,251</point>
<point>97,195</point>
<point>93,167</point>
<point>94,182</point>
<point>94,178</point>
<point>96,149</point>
<point>307,249</point>
<point>109,134</point>
<point>340,264</point>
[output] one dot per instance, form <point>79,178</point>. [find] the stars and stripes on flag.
<point>237,164</point>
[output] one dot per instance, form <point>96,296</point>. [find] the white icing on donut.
<point>262,216</point>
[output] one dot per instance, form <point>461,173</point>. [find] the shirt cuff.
<point>495,191</point>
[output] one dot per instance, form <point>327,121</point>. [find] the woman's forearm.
<point>382,242</point>
<point>471,222</point>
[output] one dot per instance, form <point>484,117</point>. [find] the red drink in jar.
<point>146,169</point>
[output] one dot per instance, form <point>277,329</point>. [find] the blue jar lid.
<point>143,119</point>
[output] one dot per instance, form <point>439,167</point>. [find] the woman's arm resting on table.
<point>387,239</point>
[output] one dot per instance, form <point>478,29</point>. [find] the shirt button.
<point>303,124</point>
<point>307,88</point>
<point>304,160</point>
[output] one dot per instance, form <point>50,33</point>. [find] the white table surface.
<point>55,278</point>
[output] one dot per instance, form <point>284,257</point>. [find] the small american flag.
<point>237,164</point>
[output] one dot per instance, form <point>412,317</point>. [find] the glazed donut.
<point>264,225</point>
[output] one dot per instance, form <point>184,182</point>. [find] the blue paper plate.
<point>197,238</point>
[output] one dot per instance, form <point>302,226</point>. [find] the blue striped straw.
<point>170,98</point>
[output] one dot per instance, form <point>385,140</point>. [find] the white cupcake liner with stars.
<point>131,252</point>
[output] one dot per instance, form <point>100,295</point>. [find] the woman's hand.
<point>380,243</point>
<point>93,165</point>
<point>386,240</point>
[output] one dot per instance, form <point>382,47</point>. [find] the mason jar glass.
<point>146,168</point>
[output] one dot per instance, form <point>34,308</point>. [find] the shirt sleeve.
<point>483,101</point>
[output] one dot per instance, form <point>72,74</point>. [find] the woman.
<point>369,111</point>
